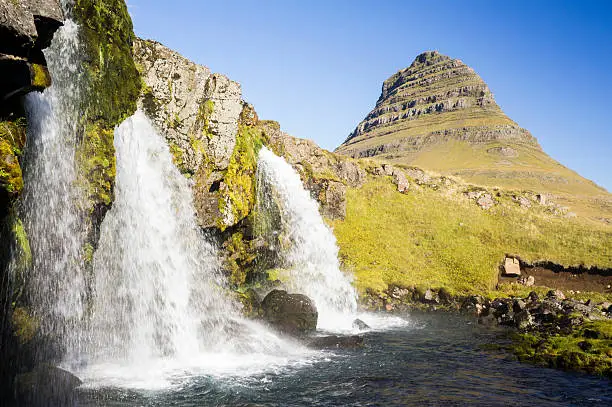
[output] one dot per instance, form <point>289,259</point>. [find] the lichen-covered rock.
<point>293,314</point>
<point>197,111</point>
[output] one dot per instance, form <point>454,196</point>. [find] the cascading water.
<point>159,306</point>
<point>156,277</point>
<point>308,245</point>
<point>51,203</point>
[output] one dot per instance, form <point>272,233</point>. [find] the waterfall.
<point>157,283</point>
<point>52,204</point>
<point>307,245</point>
<point>160,308</point>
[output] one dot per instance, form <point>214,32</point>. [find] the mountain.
<point>438,114</point>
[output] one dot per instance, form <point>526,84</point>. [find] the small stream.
<point>435,360</point>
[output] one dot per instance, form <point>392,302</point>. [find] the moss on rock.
<point>12,141</point>
<point>112,89</point>
<point>587,349</point>
<point>237,194</point>
<point>25,325</point>
<point>96,156</point>
<point>107,36</point>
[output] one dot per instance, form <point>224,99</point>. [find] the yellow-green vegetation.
<point>107,36</point>
<point>237,196</point>
<point>434,239</point>
<point>25,325</point>
<point>96,156</point>
<point>238,260</point>
<point>12,141</point>
<point>205,111</point>
<point>40,76</point>
<point>113,87</point>
<point>588,348</point>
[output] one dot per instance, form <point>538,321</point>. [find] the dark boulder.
<point>359,324</point>
<point>293,314</point>
<point>46,386</point>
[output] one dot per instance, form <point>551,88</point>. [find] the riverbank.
<point>546,327</point>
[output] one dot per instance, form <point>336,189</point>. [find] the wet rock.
<point>533,297</point>
<point>512,267</point>
<point>335,342</point>
<point>46,386</point>
<point>523,319</point>
<point>359,324</point>
<point>500,307</point>
<point>555,294</point>
<point>518,305</point>
<point>294,314</point>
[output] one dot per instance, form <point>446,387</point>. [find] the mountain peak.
<point>439,114</point>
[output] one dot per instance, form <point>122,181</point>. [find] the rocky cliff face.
<point>26,28</point>
<point>440,115</point>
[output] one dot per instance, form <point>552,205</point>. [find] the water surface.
<point>436,360</point>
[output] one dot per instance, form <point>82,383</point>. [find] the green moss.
<point>88,253</point>
<point>588,348</point>
<point>237,196</point>
<point>12,141</point>
<point>205,111</point>
<point>25,326</point>
<point>40,76</point>
<point>112,89</point>
<point>107,36</point>
<point>96,158</point>
<point>238,260</point>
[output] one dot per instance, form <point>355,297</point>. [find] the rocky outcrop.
<point>46,385</point>
<point>325,175</point>
<point>198,112</point>
<point>293,314</point>
<point>26,28</point>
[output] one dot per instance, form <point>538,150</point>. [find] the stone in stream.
<point>293,314</point>
<point>46,385</point>
<point>359,324</point>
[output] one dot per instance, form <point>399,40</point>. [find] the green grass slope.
<point>440,239</point>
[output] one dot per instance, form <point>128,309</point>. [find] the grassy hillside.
<point>440,239</point>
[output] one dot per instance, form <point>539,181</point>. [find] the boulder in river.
<point>46,385</point>
<point>294,314</point>
<point>359,324</point>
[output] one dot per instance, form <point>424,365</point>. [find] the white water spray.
<point>311,253</point>
<point>51,203</point>
<point>160,308</point>
<point>157,283</point>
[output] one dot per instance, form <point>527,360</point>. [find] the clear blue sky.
<point>317,66</point>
